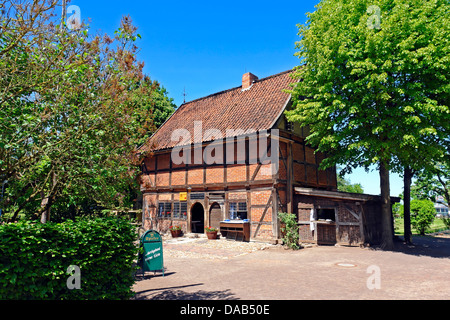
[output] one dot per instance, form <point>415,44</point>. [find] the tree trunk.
<point>47,202</point>
<point>45,215</point>
<point>407,177</point>
<point>387,234</point>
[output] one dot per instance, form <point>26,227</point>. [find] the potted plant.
<point>175,231</point>
<point>211,233</point>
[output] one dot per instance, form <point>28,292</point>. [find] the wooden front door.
<point>215,215</point>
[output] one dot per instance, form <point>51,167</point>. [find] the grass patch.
<point>437,225</point>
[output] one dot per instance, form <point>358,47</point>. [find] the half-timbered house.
<point>232,161</point>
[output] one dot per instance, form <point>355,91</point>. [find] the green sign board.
<point>152,259</point>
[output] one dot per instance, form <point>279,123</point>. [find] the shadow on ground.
<point>176,293</point>
<point>431,246</point>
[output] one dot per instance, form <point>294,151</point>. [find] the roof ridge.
<point>234,88</point>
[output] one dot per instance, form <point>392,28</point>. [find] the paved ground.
<point>201,269</point>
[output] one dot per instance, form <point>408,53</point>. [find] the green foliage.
<point>73,108</point>
<point>446,221</point>
<point>374,95</point>
<point>432,183</point>
<point>346,186</point>
<point>34,258</point>
<point>422,214</point>
<point>397,209</point>
<point>290,230</point>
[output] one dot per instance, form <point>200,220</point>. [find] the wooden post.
<point>275,224</point>
<point>290,179</point>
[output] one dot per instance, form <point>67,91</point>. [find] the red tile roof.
<point>253,109</point>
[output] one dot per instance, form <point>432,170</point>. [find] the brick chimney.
<point>247,80</point>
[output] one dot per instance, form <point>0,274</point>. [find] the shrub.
<point>34,259</point>
<point>290,230</point>
<point>422,214</point>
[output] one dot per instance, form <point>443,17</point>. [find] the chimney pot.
<point>247,80</point>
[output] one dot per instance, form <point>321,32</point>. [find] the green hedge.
<point>34,258</point>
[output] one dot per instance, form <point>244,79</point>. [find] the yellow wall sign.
<point>183,196</point>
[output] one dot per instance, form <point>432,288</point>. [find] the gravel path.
<point>203,248</point>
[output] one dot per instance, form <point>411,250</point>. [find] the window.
<point>238,210</point>
<point>288,125</point>
<point>233,210</point>
<point>160,210</point>
<point>325,214</point>
<point>176,210</point>
<point>164,209</point>
<point>179,210</point>
<point>183,210</point>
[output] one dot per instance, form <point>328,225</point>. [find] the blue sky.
<point>204,47</point>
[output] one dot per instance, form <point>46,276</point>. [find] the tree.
<point>73,108</point>
<point>346,186</point>
<point>374,78</point>
<point>422,214</point>
<point>421,163</point>
<point>432,183</point>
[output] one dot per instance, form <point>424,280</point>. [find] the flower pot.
<point>211,235</point>
<point>175,233</point>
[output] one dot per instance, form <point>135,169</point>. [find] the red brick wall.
<point>282,170</point>
<point>150,163</point>
<point>178,177</point>
<point>282,199</point>
<point>322,177</point>
<point>310,157</point>
<point>162,179</point>
<point>260,199</point>
<point>163,161</point>
<point>299,172</point>
<point>297,152</point>
<point>236,173</point>
<point>258,212</point>
<point>242,196</point>
<point>311,174</point>
<point>214,175</point>
<point>264,172</point>
<point>264,232</point>
<point>195,176</point>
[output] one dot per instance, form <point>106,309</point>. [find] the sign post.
<point>152,259</point>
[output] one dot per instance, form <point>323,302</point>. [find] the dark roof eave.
<point>341,195</point>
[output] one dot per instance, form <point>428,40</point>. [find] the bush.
<point>422,214</point>
<point>34,259</point>
<point>290,230</point>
